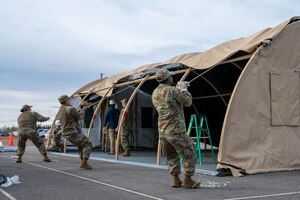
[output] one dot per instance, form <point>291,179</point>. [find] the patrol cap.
<point>25,107</point>
<point>112,102</point>
<point>124,100</point>
<point>163,74</point>
<point>57,122</point>
<point>63,98</point>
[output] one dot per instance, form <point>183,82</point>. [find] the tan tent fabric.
<point>102,87</point>
<point>217,54</point>
<point>181,58</point>
<point>200,60</point>
<point>87,87</point>
<point>262,124</point>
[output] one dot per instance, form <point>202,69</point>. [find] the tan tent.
<point>250,95</point>
<point>262,124</point>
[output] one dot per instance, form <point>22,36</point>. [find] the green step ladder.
<point>202,132</point>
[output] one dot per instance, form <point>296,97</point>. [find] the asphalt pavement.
<point>62,179</point>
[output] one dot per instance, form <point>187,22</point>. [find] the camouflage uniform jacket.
<point>70,118</point>
<point>28,119</point>
<point>56,130</point>
<point>168,101</point>
<point>127,124</point>
<point>57,117</point>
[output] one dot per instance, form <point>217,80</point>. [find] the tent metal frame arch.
<point>123,118</point>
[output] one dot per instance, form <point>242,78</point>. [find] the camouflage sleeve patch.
<point>39,117</point>
<point>184,98</point>
<point>73,113</point>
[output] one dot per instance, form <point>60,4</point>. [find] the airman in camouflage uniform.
<point>169,101</point>
<point>71,130</point>
<point>56,137</point>
<point>125,129</point>
<point>28,130</point>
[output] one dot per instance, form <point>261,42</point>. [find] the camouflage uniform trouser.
<point>56,140</point>
<point>125,138</point>
<point>176,146</point>
<point>112,140</point>
<point>32,135</point>
<point>83,144</point>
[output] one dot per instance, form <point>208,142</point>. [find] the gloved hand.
<point>85,104</point>
<point>182,85</point>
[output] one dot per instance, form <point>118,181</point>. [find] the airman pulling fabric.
<point>168,101</point>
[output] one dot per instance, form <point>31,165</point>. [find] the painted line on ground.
<point>264,196</point>
<point>91,180</point>
<point>199,171</point>
<point>7,195</point>
<point>99,182</point>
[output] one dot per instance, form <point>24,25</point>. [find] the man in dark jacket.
<point>28,130</point>
<point>111,118</point>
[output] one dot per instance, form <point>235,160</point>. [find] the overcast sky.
<point>53,47</point>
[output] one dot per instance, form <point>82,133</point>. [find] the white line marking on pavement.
<point>102,183</point>
<point>201,171</point>
<point>6,194</point>
<point>264,196</point>
<point>99,182</point>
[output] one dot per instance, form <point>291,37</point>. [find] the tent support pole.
<point>217,91</point>
<point>135,137</point>
<point>237,66</point>
<point>96,110</point>
<point>83,99</point>
<point>137,81</point>
<point>237,59</point>
<point>212,96</point>
<point>124,112</point>
<point>104,138</point>
<point>51,132</point>
<point>196,110</point>
<point>214,88</point>
<point>158,155</point>
<point>92,122</point>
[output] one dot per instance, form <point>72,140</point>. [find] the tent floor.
<point>146,158</point>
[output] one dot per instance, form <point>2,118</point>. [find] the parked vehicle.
<point>43,133</point>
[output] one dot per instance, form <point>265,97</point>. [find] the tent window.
<point>285,99</point>
<point>88,117</point>
<point>146,119</point>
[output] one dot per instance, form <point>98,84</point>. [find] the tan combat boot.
<point>85,165</point>
<point>189,183</point>
<point>126,153</point>
<point>46,159</point>
<point>19,159</point>
<point>176,182</point>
